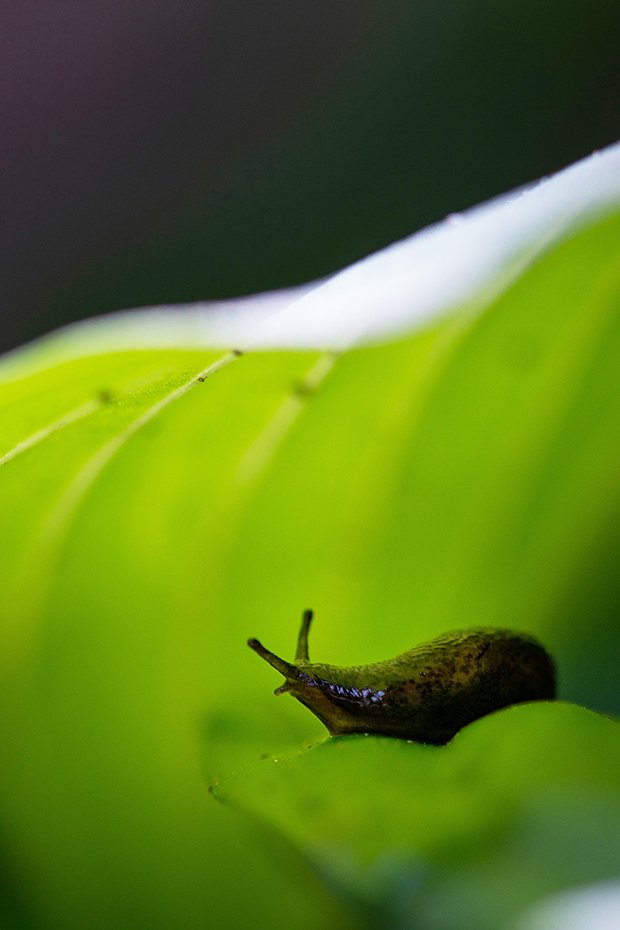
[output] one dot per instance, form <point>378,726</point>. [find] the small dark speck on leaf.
<point>301,389</point>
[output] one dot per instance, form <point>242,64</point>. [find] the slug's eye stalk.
<point>281,665</point>
<point>290,671</point>
<point>302,640</point>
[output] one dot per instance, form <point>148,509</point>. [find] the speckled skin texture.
<point>428,693</point>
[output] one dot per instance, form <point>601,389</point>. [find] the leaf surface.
<point>161,504</point>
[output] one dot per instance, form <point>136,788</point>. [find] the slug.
<point>426,694</point>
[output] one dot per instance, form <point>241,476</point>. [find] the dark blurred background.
<point>172,151</point>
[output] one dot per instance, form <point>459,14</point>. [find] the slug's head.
<point>293,674</point>
<point>299,678</point>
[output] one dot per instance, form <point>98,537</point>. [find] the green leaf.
<point>162,504</point>
<point>456,836</point>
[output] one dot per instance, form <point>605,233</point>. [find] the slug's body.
<point>426,694</point>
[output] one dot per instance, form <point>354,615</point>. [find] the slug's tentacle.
<point>302,640</point>
<point>281,665</point>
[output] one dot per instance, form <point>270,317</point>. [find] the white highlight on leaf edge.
<point>465,259</point>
